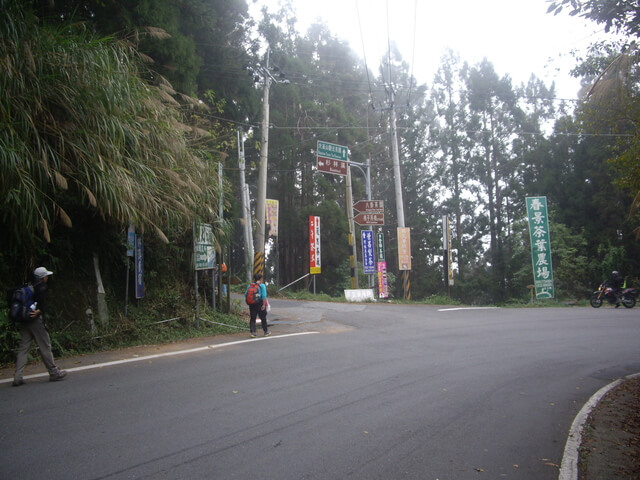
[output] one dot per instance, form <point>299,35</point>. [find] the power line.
<point>389,45</point>
<point>364,54</point>
<point>413,54</point>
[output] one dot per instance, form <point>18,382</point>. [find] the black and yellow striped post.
<point>406,285</point>
<point>258,263</point>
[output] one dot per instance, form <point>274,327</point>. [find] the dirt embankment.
<point>611,438</point>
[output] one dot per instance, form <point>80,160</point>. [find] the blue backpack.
<point>20,303</point>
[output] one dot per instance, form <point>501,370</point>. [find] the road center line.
<point>161,355</point>
<point>466,308</point>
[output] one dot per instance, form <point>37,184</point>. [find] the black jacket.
<point>40,296</point>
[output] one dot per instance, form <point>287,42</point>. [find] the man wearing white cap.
<point>35,329</point>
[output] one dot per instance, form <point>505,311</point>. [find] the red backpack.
<point>253,294</point>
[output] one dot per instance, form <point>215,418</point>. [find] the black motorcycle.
<point>626,296</point>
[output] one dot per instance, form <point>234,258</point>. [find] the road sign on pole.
<point>205,252</point>
<point>364,219</point>
<point>332,158</point>
<point>369,206</point>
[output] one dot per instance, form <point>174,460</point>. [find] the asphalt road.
<point>380,392</point>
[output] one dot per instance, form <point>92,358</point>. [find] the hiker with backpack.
<point>256,298</point>
<point>32,327</point>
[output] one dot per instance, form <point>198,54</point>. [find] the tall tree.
<point>452,151</point>
<point>611,104</point>
<point>496,117</point>
<point>621,16</point>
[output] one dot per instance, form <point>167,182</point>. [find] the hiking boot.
<point>58,376</point>
<point>18,382</point>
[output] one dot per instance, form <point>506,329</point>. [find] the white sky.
<point>517,36</point>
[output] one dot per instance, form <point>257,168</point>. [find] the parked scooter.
<point>626,296</point>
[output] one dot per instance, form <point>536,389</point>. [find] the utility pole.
<point>258,256</point>
<point>261,201</point>
<point>406,285</point>
<point>353,258</point>
<point>246,213</point>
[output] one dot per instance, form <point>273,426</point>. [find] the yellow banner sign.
<point>404,248</point>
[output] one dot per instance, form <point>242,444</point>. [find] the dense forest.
<point>119,112</point>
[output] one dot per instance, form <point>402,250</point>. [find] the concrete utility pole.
<point>246,213</point>
<point>406,285</point>
<point>353,258</point>
<point>261,201</point>
<point>258,256</point>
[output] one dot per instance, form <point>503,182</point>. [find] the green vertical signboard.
<point>540,246</point>
<point>380,246</point>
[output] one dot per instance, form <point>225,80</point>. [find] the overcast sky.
<point>517,36</point>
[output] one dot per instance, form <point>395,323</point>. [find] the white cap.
<point>41,272</point>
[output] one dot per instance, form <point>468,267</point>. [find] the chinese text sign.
<point>315,264</point>
<point>540,246</point>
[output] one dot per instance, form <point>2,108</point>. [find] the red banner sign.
<point>315,264</point>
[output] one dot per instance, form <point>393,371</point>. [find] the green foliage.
<point>92,136</point>
<point>440,300</point>
<point>9,336</point>
<point>617,15</point>
<point>80,131</point>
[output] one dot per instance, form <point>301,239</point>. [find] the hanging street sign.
<point>332,158</point>
<point>369,206</point>
<point>364,219</point>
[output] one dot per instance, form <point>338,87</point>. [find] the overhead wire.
<point>364,54</point>
<point>413,53</point>
<point>389,46</point>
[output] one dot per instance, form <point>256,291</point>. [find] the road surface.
<point>367,392</point>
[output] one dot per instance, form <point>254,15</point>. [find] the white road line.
<point>160,355</point>
<point>569,466</point>
<point>466,308</point>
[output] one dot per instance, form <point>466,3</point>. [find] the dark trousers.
<point>30,331</point>
<point>256,310</point>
